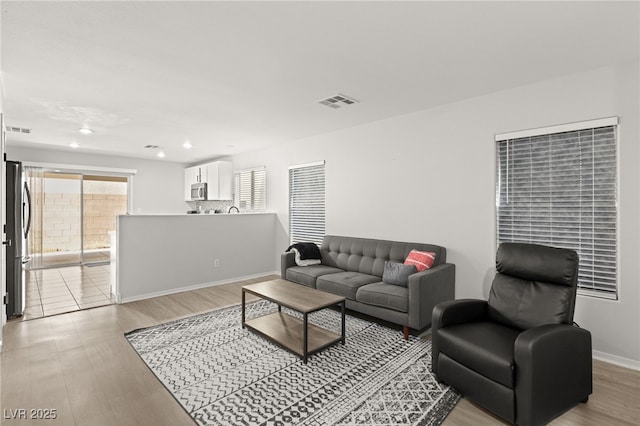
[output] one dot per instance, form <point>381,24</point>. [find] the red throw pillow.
<point>422,259</point>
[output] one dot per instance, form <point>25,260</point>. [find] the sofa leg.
<point>405,331</point>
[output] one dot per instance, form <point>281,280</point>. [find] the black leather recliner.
<point>518,354</point>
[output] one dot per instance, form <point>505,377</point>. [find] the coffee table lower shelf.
<point>288,332</point>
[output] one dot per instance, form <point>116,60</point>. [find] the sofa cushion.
<point>384,295</point>
<point>421,259</point>
<point>344,283</point>
<point>368,255</point>
<point>485,347</point>
<point>307,275</point>
<point>397,274</point>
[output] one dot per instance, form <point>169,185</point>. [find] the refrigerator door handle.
<point>28,208</point>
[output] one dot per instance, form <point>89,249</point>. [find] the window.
<point>251,189</point>
<point>306,203</point>
<point>557,187</point>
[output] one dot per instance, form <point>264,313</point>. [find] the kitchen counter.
<point>168,253</point>
<point>200,214</point>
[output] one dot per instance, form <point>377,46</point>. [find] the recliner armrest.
<point>287,260</point>
<point>553,371</point>
<point>453,312</point>
<point>458,312</point>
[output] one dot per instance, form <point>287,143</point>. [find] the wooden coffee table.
<point>292,333</point>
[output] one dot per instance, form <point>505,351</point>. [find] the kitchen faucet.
<point>233,207</point>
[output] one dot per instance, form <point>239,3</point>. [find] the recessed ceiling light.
<point>74,145</point>
<point>187,145</point>
<point>85,131</point>
<point>161,154</point>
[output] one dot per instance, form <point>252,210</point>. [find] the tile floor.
<point>60,290</point>
<point>62,259</point>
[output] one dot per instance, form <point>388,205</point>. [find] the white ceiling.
<point>236,76</point>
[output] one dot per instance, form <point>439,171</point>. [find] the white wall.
<point>160,254</point>
<point>429,177</point>
<point>158,186</point>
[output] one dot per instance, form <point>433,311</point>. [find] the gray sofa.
<point>353,268</point>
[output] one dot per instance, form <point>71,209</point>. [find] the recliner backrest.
<point>534,285</point>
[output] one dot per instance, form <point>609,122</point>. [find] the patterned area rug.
<point>222,374</point>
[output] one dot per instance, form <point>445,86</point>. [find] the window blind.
<point>559,189</point>
<point>307,203</point>
<point>251,189</point>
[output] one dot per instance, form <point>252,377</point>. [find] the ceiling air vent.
<point>17,129</point>
<point>337,101</point>
<point>151,146</point>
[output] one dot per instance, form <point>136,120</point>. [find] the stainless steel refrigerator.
<point>17,230</point>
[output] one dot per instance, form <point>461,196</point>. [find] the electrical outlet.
<point>216,263</point>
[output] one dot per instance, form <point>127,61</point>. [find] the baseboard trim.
<point>191,287</point>
<point>617,360</point>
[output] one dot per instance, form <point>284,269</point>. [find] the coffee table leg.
<point>343,328</point>
<point>243,293</point>
<point>304,337</point>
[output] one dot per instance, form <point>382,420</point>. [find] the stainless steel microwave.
<point>198,191</point>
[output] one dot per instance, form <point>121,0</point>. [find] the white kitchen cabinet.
<point>195,174</point>
<point>218,176</point>
<point>219,180</point>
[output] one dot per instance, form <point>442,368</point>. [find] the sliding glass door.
<point>34,245</point>
<point>104,198</point>
<point>73,217</point>
<point>56,238</point>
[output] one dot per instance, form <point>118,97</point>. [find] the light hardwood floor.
<point>81,365</point>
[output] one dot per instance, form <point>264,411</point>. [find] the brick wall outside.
<point>103,202</point>
<point>61,222</point>
<point>100,212</point>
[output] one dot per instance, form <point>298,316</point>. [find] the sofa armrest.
<point>287,260</point>
<point>553,371</point>
<point>427,289</point>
